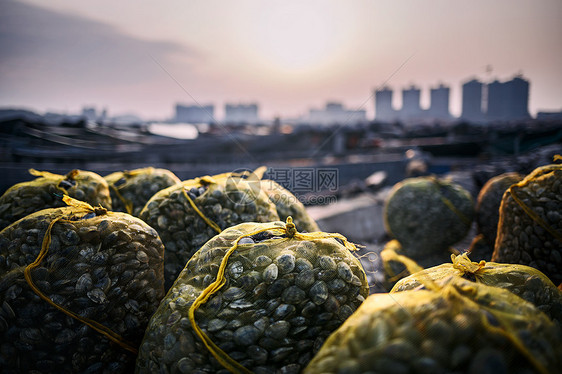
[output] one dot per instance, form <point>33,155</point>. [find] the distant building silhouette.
<point>411,109</point>
<point>410,104</point>
<point>496,104</point>
<point>472,101</point>
<point>195,113</point>
<point>383,105</point>
<point>91,114</point>
<point>439,108</point>
<point>496,101</point>
<point>241,113</point>
<point>335,113</point>
<point>517,98</point>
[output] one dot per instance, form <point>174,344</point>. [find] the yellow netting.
<point>486,312</point>
<point>528,216</point>
<point>489,273</point>
<point>99,194</point>
<point>525,281</point>
<point>81,208</point>
<point>138,185</point>
<point>394,257</point>
<point>235,259</point>
<point>488,205</point>
<point>440,184</point>
<point>220,201</point>
<point>291,234</point>
<point>443,279</point>
<point>47,190</point>
<point>427,215</point>
<point>102,269</point>
<point>536,176</point>
<point>211,224</point>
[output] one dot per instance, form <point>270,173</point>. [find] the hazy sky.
<point>143,56</point>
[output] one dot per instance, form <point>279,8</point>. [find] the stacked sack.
<point>130,190</point>
<point>487,214</point>
<point>257,298</point>
<point>530,223</point>
<point>425,216</point>
<point>187,215</point>
<point>526,282</point>
<point>393,269</point>
<point>77,288</point>
<point>47,191</point>
<point>451,325</point>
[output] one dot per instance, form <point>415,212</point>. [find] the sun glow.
<point>297,36</point>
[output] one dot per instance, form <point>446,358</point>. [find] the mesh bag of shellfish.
<point>462,327</point>
<point>393,268</point>
<point>488,204</point>
<point>77,288</point>
<point>427,215</point>
<point>257,298</point>
<point>527,282</point>
<point>47,190</point>
<point>288,204</point>
<point>530,224</point>
<point>189,214</point>
<point>487,214</point>
<point>130,190</point>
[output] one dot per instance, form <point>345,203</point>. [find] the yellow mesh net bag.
<point>188,214</point>
<point>47,190</point>
<point>393,267</point>
<point>259,297</point>
<point>488,205</point>
<point>77,288</point>
<point>427,215</point>
<point>462,326</point>
<point>131,189</point>
<point>530,224</point>
<point>524,281</point>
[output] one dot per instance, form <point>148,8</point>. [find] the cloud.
<point>44,51</point>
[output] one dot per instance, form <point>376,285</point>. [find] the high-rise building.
<point>508,101</point>
<point>241,113</point>
<point>383,105</point>
<point>472,101</point>
<point>496,101</point>
<point>517,98</point>
<point>195,113</point>
<point>410,103</point>
<point>439,108</point>
<point>411,109</point>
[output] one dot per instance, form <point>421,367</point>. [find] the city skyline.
<point>289,56</point>
<point>482,102</point>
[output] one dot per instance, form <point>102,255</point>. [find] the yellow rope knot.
<point>290,228</point>
<point>463,263</point>
<point>72,174</point>
<point>100,211</point>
